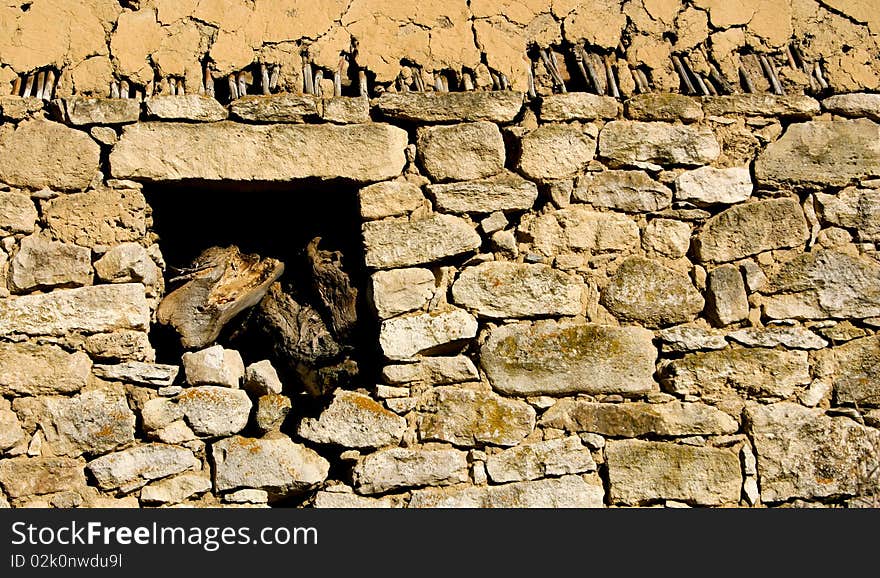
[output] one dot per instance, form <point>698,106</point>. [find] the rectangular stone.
<point>83,111</point>
<point>29,369</point>
<point>564,492</point>
<point>95,309</point>
<point>493,106</point>
<point>281,107</point>
<point>243,152</point>
<point>791,106</point>
<point>195,107</point>
<point>577,106</point>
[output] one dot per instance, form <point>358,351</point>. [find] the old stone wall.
<point>579,300</point>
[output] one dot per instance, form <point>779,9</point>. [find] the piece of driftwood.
<point>301,342</point>
<point>333,287</point>
<point>221,283</point>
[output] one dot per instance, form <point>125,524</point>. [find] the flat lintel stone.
<point>494,106</point>
<point>241,152</point>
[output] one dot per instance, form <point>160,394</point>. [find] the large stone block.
<point>86,111</point>
<point>44,264</point>
<point>530,461</point>
<point>98,217</point>
<point>641,472</point>
<point>400,290</point>
<point>244,152</point>
<point>853,208</point>
<point>788,106</point>
<point>460,152</point>
<point>577,106</point>
<point>133,467</point>
<point>822,284</point>
<point>503,192</point>
<point>424,333</point>
<point>803,453</point>
<point>565,492</point>
<point>752,228</point>
<point>274,464</point>
<point>282,107</point>
<point>195,107</point>
<point>40,153</point>
<point>466,417</point>
<point>556,358</point>
<point>630,191</point>
<point>853,370</point>
<point>555,151</point>
<point>503,290</point>
<point>638,419</point>
<point>95,309</point>
<point>580,229</point>
<point>402,242</point>
<point>17,213</point>
<point>29,369</point>
<point>651,293</point>
<point>353,420</point>
<point>636,143</point>
<point>821,154</point>
<point>23,477</point>
<point>397,468</point>
<point>492,106</point>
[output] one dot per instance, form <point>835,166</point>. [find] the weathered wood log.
<point>301,343</point>
<point>333,287</point>
<point>221,283</point>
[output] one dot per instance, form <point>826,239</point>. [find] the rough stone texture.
<point>275,108</point>
<point>638,419</point>
<point>646,291</point>
<point>97,217</point>
<point>423,333</point>
<point>580,229</point>
<point>194,107</point>
<point>17,213</point>
<point>272,410</point>
<point>555,358</point>
<point>665,106</point>
<point>564,492</point>
<point>88,111</point>
<point>175,490</point>
<point>803,453</point>
<point>161,151</point>
<point>403,242</point>
<point>275,464</point>
<point>149,374</point>
<point>397,468</point>
<point>460,152</point>
<point>42,264</point>
<point>765,373</point>
<point>389,199</point>
<point>134,467</point>
<point>94,422</point>
<point>353,420</point>
<point>821,153</point>
<point>707,186</point>
<point>260,378</point>
<point>790,106</point>
<point>128,263</point>
<point>11,433</point>
<point>346,110</point>
<point>432,370</point>
<point>630,191</point>
<point>853,208</point>
<point>530,461</point>
<point>348,499</point>
<point>505,290</point>
<point>639,473</point>
<point>577,106</point>
<point>215,411</point>
<point>400,290</point>
<point>822,284</point>
<point>213,366</point>
<point>667,237</point>
<point>726,301</point>
<point>503,192</point>
<point>29,369</point>
<point>495,106</point>
<point>21,477</point>
<point>788,336</point>
<point>683,338</point>
<point>853,369</point>
<point>465,417</point>
<point>854,105</point>
<point>752,228</point>
<point>68,158</point>
<point>633,143</point>
<point>19,107</point>
<point>555,151</point>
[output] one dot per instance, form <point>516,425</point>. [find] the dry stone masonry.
<point>646,279</point>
